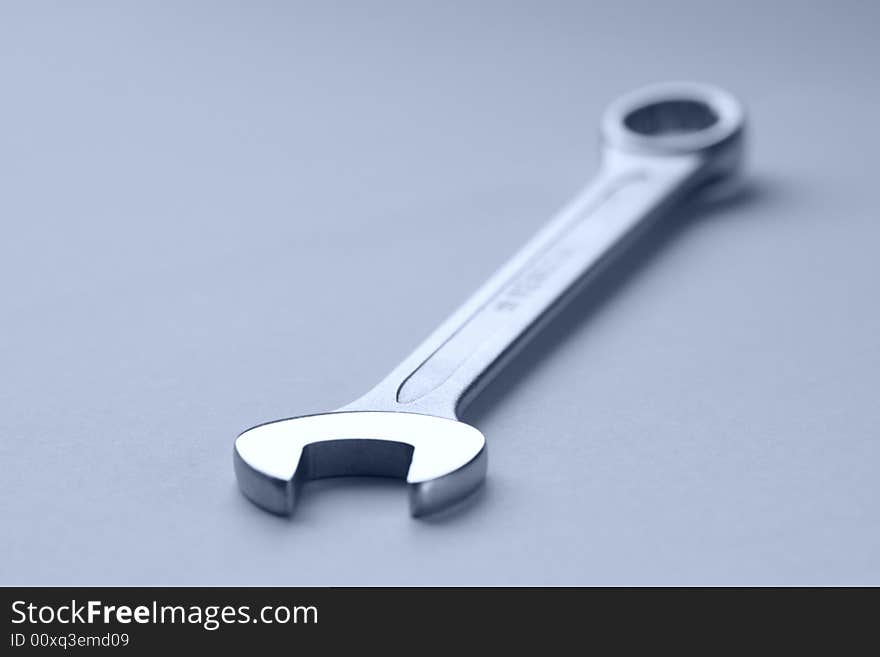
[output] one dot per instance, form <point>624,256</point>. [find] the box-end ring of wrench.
<point>661,145</point>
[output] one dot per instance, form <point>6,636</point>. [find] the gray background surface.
<point>215,215</point>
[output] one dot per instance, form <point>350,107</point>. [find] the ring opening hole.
<point>671,117</point>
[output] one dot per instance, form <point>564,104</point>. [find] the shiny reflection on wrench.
<point>661,145</point>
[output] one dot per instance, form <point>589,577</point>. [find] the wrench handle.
<point>462,355</point>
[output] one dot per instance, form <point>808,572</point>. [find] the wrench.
<point>661,145</point>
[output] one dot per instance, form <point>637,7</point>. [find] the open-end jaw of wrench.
<point>661,145</point>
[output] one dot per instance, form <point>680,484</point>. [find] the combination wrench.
<point>662,145</point>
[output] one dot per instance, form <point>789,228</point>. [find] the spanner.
<point>661,145</point>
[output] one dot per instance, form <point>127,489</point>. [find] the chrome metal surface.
<point>661,145</point>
